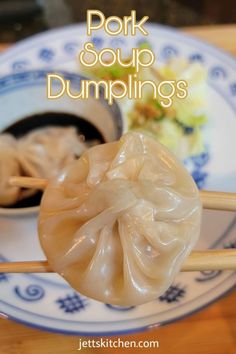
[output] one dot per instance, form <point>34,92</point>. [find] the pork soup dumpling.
<point>43,152</point>
<point>118,223</point>
<point>9,167</point>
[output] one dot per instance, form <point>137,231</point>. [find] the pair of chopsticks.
<point>222,259</point>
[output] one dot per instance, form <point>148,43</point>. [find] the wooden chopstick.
<point>29,182</point>
<point>210,199</point>
<point>222,259</point>
<point>218,200</point>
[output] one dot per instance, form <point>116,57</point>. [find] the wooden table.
<point>212,331</point>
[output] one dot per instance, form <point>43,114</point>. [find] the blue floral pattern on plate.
<point>31,293</point>
<point>72,303</point>
<point>46,54</point>
<point>3,277</point>
<point>175,293</point>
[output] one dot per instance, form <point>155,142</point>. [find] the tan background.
<point>212,331</point>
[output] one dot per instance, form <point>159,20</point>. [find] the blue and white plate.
<point>46,301</point>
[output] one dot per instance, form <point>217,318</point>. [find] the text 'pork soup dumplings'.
<point>118,223</point>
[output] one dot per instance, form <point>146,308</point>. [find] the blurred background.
<point>22,18</point>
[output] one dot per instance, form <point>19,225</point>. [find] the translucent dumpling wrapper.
<point>40,153</point>
<point>118,223</point>
<point>43,152</point>
<point>10,166</point>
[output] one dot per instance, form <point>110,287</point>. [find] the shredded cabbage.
<point>190,111</point>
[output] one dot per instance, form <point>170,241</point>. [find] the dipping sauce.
<point>25,125</point>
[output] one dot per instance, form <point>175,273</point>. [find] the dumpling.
<point>118,223</point>
<point>40,153</point>
<point>43,152</point>
<point>9,166</point>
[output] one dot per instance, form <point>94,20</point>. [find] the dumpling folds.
<point>43,152</point>
<point>10,166</point>
<point>118,223</point>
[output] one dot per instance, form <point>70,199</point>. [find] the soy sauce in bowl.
<point>52,119</point>
<point>26,125</point>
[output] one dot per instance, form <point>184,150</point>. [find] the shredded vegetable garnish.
<point>179,126</point>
